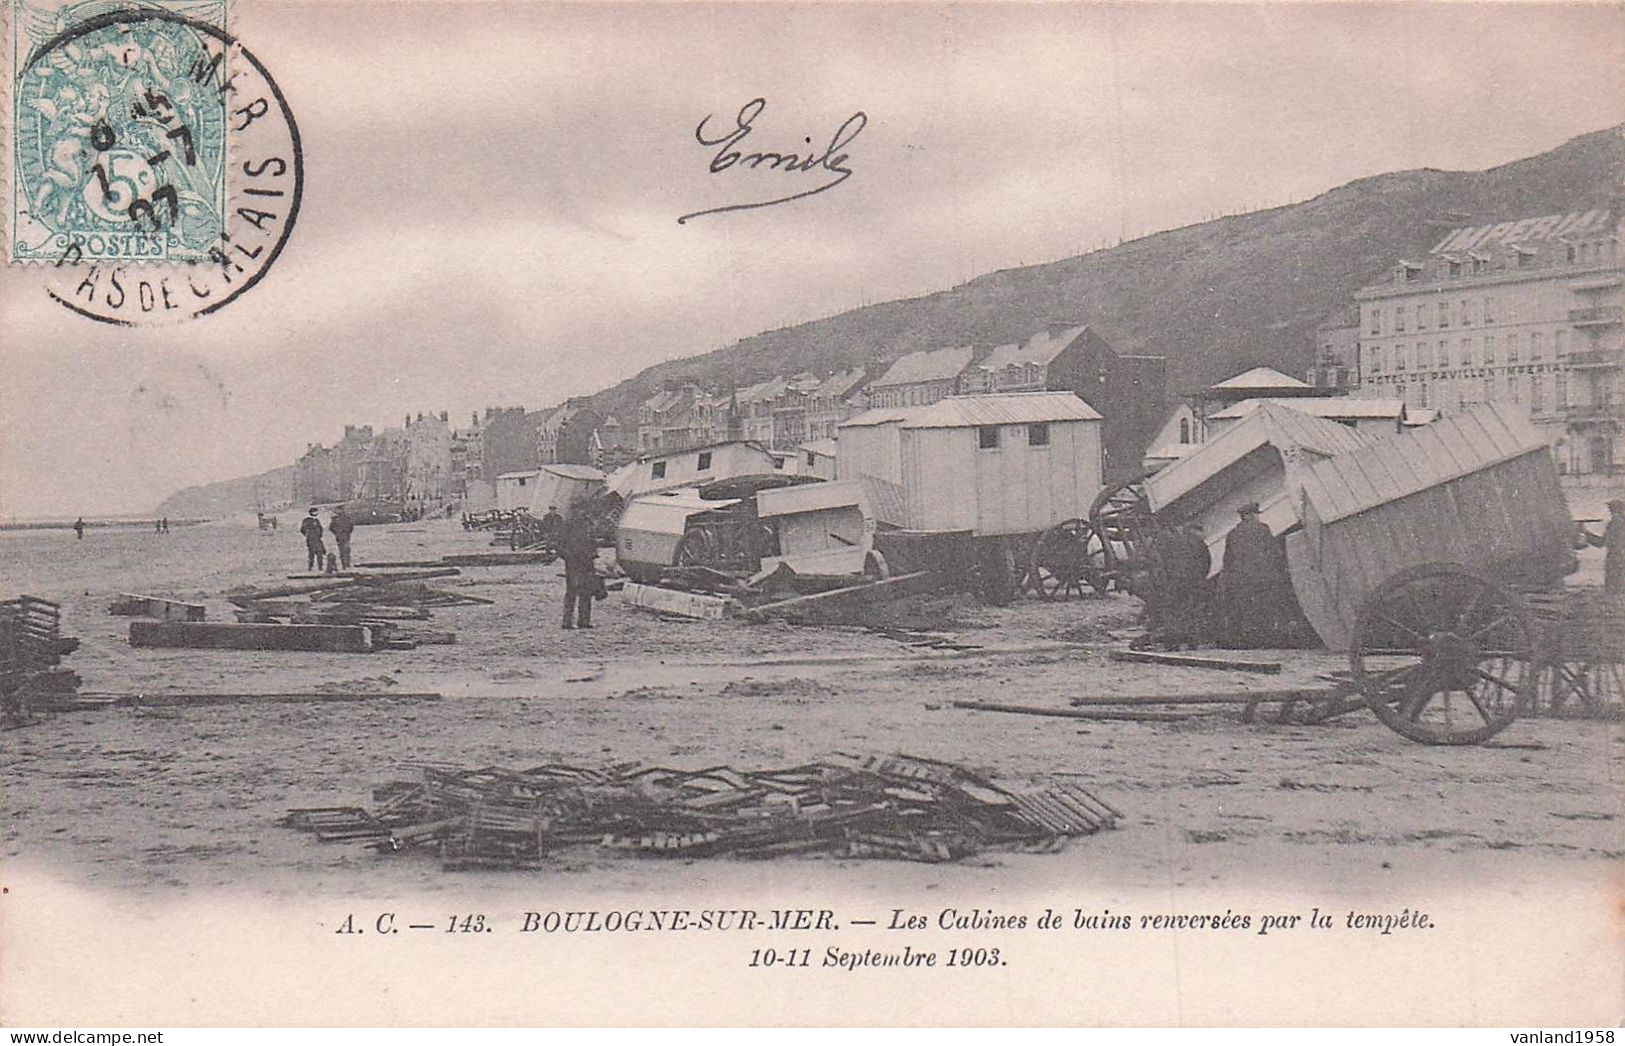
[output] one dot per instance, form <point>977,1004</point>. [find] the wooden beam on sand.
<point>178,700</point>
<point>340,639</point>
<point>1221,697</point>
<point>250,594</point>
<point>1233,664</point>
<point>130,605</point>
<point>1134,715</point>
<point>879,591</point>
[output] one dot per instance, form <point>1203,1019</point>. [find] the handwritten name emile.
<point>730,157</point>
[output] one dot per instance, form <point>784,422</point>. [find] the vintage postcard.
<point>811,514</point>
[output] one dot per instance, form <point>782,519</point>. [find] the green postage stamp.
<point>118,144</point>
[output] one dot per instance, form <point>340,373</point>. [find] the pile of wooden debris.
<point>898,806</point>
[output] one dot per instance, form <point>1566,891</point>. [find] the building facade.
<point>921,378</point>
<point>1527,312</point>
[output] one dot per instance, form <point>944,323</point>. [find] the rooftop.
<point>1320,407</point>
<point>1260,378</point>
<point>928,365</point>
<point>1012,408</point>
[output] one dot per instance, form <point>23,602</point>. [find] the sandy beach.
<point>156,799</point>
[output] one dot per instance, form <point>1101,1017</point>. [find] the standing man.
<point>552,525</point>
<point>315,551</point>
<point>1253,583</point>
<point>79,527</point>
<point>1613,540</point>
<point>341,526</point>
<point>578,550</point>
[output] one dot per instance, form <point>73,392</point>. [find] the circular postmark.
<point>157,168</point>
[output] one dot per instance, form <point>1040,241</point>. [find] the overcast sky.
<point>492,192</point>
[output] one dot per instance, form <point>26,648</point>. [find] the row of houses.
<point>786,414</point>
<point>426,461</point>
<point>1526,313</point>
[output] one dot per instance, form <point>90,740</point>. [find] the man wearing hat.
<point>315,551</point>
<point>1612,539</point>
<point>1253,583</point>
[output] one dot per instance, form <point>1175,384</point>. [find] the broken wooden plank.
<point>499,559</point>
<point>1234,664</point>
<point>1221,697</point>
<point>697,605</point>
<point>346,639</point>
<point>250,594</point>
<point>182,699</point>
<point>891,587</point>
<point>130,605</point>
<point>400,563</point>
<point>1152,716</point>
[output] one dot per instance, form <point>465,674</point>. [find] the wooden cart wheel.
<point>1120,518</point>
<point>697,548</point>
<point>1442,655</point>
<point>1066,557</point>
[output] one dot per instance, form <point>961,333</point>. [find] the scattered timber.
<point>401,563</point>
<point>175,700</point>
<point>500,559</point>
<point>1136,715</point>
<point>697,605</point>
<point>894,807</point>
<point>130,605</point>
<point>250,594</point>
<point>857,595</point>
<point>346,639</point>
<point>1233,664</point>
<point>1222,697</point>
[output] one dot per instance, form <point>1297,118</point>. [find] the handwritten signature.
<point>728,157</point>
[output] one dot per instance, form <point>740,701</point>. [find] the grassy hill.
<point>1214,298</point>
<point>230,496</point>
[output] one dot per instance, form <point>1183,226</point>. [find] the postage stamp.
<point>116,147</point>
<point>155,166</point>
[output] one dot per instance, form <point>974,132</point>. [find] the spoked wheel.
<point>1119,519</point>
<point>1066,557</point>
<point>698,548</point>
<point>1443,656</point>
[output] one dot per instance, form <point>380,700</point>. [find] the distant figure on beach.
<point>552,525</point>
<point>163,524</point>
<point>1613,540</point>
<point>578,550</point>
<point>157,526</point>
<point>341,526</point>
<point>315,551</point>
<point>79,527</point>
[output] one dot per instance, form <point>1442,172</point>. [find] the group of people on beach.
<point>341,526</point>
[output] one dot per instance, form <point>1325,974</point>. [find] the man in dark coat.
<point>1186,577</point>
<point>578,549</point>
<point>1253,584</point>
<point>1613,540</point>
<point>552,525</point>
<point>341,526</point>
<point>315,551</point>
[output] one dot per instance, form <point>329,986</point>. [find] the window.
<point>522,480</point>
<point>1038,435</point>
<point>657,470</point>
<point>1560,389</point>
<point>1562,341</point>
<point>987,437</point>
<point>1444,315</point>
<point>1444,353</point>
<point>1373,359</point>
<point>1424,357</point>
<point>1184,430</point>
<point>1421,317</point>
<point>1489,310</point>
<point>778,461</point>
<point>1514,389</point>
<point>1537,394</point>
<point>704,464</point>
<point>1399,320</point>
<point>1512,348</point>
<point>1399,357</point>
<point>1466,312</point>
<point>1489,389</point>
<point>1489,348</point>
<point>1536,349</point>
<point>1376,320</point>
<point>812,459</point>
